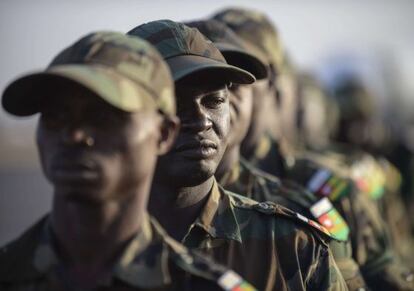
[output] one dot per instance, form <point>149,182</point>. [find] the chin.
<point>193,174</point>
<point>85,194</point>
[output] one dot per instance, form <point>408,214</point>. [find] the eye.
<point>53,119</point>
<point>215,100</point>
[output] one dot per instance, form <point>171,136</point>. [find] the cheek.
<point>46,145</point>
<point>223,122</point>
<point>141,151</point>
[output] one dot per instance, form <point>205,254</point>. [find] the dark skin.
<point>184,176</point>
<point>100,161</point>
<point>241,104</point>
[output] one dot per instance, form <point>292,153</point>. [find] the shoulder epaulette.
<point>322,211</point>
<point>277,209</point>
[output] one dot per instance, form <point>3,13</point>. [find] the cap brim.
<point>22,97</point>
<point>242,59</point>
<point>190,65</point>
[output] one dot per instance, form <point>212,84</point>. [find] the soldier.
<point>374,254</point>
<point>238,175</point>
<point>271,246</point>
<point>107,111</point>
<point>375,175</point>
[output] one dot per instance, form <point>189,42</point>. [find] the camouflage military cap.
<point>236,51</point>
<point>188,52</point>
<point>256,28</point>
<point>126,72</point>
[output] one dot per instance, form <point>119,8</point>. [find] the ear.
<point>169,130</point>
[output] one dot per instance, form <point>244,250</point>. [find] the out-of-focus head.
<point>107,110</point>
<point>317,113</point>
<point>202,77</point>
<point>356,110</point>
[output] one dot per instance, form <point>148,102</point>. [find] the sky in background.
<point>314,32</point>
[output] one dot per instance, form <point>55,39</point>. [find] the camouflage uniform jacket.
<point>371,244</point>
<point>370,240</point>
<point>261,186</point>
<point>269,245</point>
<point>150,261</point>
<point>380,180</point>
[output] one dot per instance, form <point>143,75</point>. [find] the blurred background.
<point>372,39</point>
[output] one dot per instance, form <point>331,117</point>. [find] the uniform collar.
<point>217,218</point>
<point>143,263</point>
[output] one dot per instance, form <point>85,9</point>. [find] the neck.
<point>230,158</point>
<point>176,208</point>
<point>91,235</point>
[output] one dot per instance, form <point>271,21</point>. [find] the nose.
<point>199,120</point>
<point>73,136</point>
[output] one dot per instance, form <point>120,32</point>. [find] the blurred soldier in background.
<point>107,111</point>
<point>360,128</point>
<point>238,175</point>
<point>272,246</point>
<point>373,253</point>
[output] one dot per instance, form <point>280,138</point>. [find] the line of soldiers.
<point>183,156</point>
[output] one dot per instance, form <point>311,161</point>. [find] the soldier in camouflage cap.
<point>237,175</point>
<point>270,157</point>
<point>257,30</point>
<point>271,246</point>
<point>107,111</point>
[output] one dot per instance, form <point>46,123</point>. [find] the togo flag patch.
<point>313,224</point>
<point>324,212</point>
<point>325,184</point>
<point>231,281</point>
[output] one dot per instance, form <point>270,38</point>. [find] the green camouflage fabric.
<point>380,180</point>
<point>370,240</point>
<point>151,261</point>
<point>237,52</point>
<point>175,40</point>
<point>261,186</point>
<point>269,245</point>
<point>255,28</point>
<point>127,72</point>
<point>371,243</point>
<point>396,216</point>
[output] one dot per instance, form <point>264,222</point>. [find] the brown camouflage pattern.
<point>371,242</point>
<point>260,186</point>
<point>265,243</point>
<point>125,71</point>
<point>151,261</point>
<point>175,40</point>
<point>255,28</point>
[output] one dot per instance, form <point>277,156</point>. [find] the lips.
<point>75,171</point>
<point>202,149</point>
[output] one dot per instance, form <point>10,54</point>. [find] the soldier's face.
<point>203,109</point>
<point>241,105</point>
<point>92,151</point>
